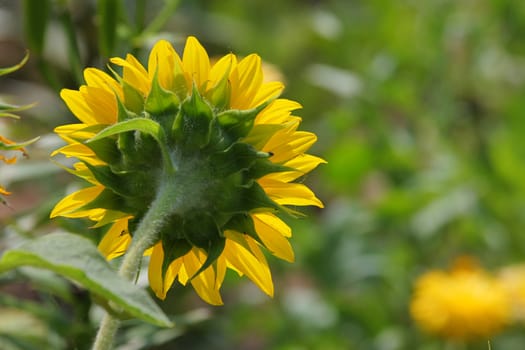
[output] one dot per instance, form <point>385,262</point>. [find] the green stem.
<point>158,22</point>
<point>146,234</point>
<point>73,50</point>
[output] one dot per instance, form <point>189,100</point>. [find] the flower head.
<point>462,304</point>
<point>214,136</point>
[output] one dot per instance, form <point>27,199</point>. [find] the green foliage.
<point>78,259</point>
<point>418,107</point>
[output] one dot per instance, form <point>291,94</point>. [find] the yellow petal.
<point>289,193</point>
<point>273,239</point>
<point>162,60</point>
<point>275,223</point>
<point>277,112</point>
<point>244,261</point>
<point>246,80</point>
<point>201,284</point>
<point>204,283</point>
<point>4,192</point>
<point>116,241</point>
<point>6,160</point>
<point>76,200</point>
<point>303,163</point>
<point>196,63</point>
<point>221,69</point>
<point>267,92</point>
<point>102,103</point>
<point>285,145</point>
<point>77,104</point>
<point>97,78</point>
<point>73,132</point>
<point>134,73</point>
<point>158,283</point>
<point>81,152</point>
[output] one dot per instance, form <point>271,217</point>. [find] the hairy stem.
<point>144,237</point>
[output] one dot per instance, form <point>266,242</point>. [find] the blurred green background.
<point>419,109</point>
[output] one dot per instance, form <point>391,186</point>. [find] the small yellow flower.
<point>217,135</point>
<point>465,303</point>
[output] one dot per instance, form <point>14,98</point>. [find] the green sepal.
<point>243,223</point>
<point>248,197</point>
<point>213,252</point>
<point>109,179</point>
<point>237,123</point>
<point>133,98</point>
<point>199,230</point>
<point>108,199</point>
<point>261,167</point>
<point>261,134</point>
<point>78,259</point>
<point>192,126</point>
<point>106,150</point>
<point>173,249</point>
<point>144,125</point>
<point>238,157</point>
<point>219,96</point>
<point>160,100</point>
<point>122,112</point>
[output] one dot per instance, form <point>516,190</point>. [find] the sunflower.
<point>214,138</point>
<point>465,303</point>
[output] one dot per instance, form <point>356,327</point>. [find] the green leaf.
<point>15,146</point>
<point>144,125</point>
<point>78,259</point>
<point>7,70</point>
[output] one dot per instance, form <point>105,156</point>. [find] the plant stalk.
<point>146,234</point>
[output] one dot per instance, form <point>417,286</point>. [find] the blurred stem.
<point>47,73</point>
<point>146,234</point>
<point>158,22</point>
<point>73,51</point>
<point>140,15</point>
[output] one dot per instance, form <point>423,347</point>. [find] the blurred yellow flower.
<point>234,148</point>
<point>464,303</point>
